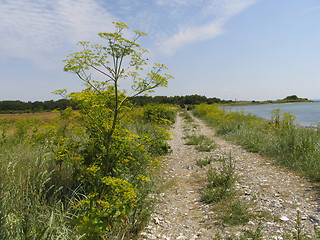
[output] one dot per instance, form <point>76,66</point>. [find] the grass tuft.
<point>220,182</point>
<point>204,162</point>
<point>202,143</point>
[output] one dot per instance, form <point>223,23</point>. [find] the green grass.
<point>220,192</point>
<point>202,143</point>
<point>186,116</point>
<point>220,182</point>
<point>235,213</point>
<point>32,206</point>
<point>204,162</point>
<point>294,147</point>
<point>38,191</point>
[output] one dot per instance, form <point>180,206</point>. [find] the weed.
<point>202,142</point>
<point>186,116</point>
<point>41,196</point>
<point>254,235</point>
<point>204,162</point>
<point>236,213</point>
<point>220,183</point>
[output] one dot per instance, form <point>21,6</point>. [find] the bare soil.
<point>273,195</point>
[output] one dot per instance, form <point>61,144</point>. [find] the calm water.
<point>307,114</point>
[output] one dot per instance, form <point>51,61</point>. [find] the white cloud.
<point>44,31</point>
<point>212,16</point>
<point>40,30</point>
<point>191,35</point>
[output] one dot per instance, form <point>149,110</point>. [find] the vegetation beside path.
<point>216,190</point>
<point>48,175</point>
<point>294,147</point>
<point>87,175</point>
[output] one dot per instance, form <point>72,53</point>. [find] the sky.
<point>230,49</point>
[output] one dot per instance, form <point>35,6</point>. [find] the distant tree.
<point>213,100</point>
<point>292,97</point>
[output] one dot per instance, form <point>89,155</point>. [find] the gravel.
<point>274,194</point>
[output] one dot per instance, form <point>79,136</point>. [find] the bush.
<point>159,114</point>
<point>49,179</point>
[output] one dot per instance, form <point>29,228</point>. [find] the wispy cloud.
<point>38,29</point>
<point>41,30</point>
<point>211,16</point>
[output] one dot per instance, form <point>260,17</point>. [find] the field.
<point>44,116</point>
<point>51,181</point>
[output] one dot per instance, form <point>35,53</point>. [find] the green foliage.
<point>161,114</point>
<point>280,138</point>
<point>177,100</point>
<point>31,202</point>
<point>187,116</point>
<point>236,213</point>
<point>220,191</point>
<point>220,182</point>
<point>88,173</point>
<point>45,181</point>
<point>114,163</point>
<point>202,142</point>
<point>37,106</point>
<point>204,162</point>
<point>255,235</point>
<point>99,213</point>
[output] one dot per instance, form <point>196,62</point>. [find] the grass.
<point>186,116</point>
<point>294,147</point>
<point>33,203</point>
<point>221,194</point>
<point>202,143</point>
<point>234,213</point>
<point>220,182</point>
<point>204,162</point>
<point>38,191</point>
<point>44,116</point>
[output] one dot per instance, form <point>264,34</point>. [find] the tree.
<point>292,97</point>
<point>119,60</point>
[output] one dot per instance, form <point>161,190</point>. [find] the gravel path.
<point>272,193</point>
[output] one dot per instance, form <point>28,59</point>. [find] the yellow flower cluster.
<point>143,178</point>
<point>121,188</point>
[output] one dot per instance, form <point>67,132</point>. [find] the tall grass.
<point>31,200</point>
<point>280,138</point>
<point>39,184</point>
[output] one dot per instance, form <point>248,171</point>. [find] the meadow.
<point>51,185</point>
<point>280,138</point>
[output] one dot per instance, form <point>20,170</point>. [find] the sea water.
<point>307,114</point>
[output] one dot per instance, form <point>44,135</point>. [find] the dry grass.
<point>44,116</point>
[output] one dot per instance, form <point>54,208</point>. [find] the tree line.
<point>178,100</point>
<point>15,106</point>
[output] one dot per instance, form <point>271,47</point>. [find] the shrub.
<point>159,114</point>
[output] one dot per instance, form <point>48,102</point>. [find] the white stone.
<point>284,219</point>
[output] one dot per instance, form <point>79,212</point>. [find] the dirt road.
<point>273,195</point>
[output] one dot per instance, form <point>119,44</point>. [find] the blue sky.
<point>230,49</point>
